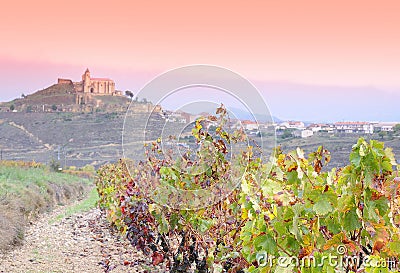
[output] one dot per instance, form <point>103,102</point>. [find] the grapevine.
<point>290,206</point>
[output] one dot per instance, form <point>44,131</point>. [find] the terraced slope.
<point>74,138</point>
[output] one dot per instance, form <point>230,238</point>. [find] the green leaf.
<point>288,213</point>
<point>369,176</point>
<point>312,194</point>
<point>173,221</point>
<point>294,229</point>
<point>333,225</point>
<point>322,207</point>
<point>162,224</point>
<point>204,225</point>
<point>246,251</point>
<point>394,247</point>
<point>382,204</point>
<point>265,242</point>
<point>351,221</point>
<point>281,228</point>
<point>291,243</point>
<point>270,187</point>
<point>345,202</point>
<point>355,159</point>
<point>369,212</point>
<point>292,177</point>
<point>387,166</point>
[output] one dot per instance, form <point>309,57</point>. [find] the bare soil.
<point>83,242</point>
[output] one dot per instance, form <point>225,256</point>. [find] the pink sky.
<point>341,42</point>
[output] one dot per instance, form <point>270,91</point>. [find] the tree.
<point>29,109</point>
<point>55,165</point>
<point>396,129</point>
<point>54,107</point>
<point>286,133</point>
<point>12,107</point>
<point>382,134</point>
<point>129,94</point>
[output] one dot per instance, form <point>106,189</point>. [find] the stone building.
<point>86,90</point>
<point>95,86</point>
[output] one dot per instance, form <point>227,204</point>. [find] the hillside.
<point>75,138</point>
<point>96,138</point>
<point>62,97</point>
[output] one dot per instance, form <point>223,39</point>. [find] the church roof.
<point>101,79</point>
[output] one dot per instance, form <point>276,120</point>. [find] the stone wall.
<point>64,81</point>
<point>78,86</point>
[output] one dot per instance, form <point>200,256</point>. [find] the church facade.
<point>97,85</point>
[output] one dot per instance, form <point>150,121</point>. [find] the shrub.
<point>88,168</point>
<point>55,165</point>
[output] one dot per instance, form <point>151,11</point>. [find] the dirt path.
<point>79,243</point>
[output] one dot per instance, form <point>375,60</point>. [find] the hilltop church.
<point>95,86</point>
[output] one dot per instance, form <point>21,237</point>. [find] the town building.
<point>250,125</point>
<point>303,133</point>
<point>384,126</point>
<point>321,127</point>
<point>299,125</point>
<point>354,127</point>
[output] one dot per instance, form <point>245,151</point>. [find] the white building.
<point>250,125</point>
<point>303,133</point>
<point>354,127</point>
<point>321,127</point>
<point>385,126</point>
<point>292,125</point>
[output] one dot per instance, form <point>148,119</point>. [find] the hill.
<point>79,139</point>
<point>66,123</point>
<point>63,97</point>
<point>73,138</point>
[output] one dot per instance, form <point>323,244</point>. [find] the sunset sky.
<point>346,43</point>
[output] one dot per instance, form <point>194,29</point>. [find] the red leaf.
<point>157,258</point>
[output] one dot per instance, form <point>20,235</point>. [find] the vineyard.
<point>285,214</point>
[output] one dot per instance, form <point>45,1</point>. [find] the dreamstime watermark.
<point>193,89</point>
<point>339,259</point>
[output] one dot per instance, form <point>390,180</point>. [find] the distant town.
<point>300,129</point>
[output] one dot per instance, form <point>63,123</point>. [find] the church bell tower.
<point>86,81</point>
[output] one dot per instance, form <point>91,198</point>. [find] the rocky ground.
<point>83,242</point>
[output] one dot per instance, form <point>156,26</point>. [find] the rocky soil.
<point>80,243</point>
